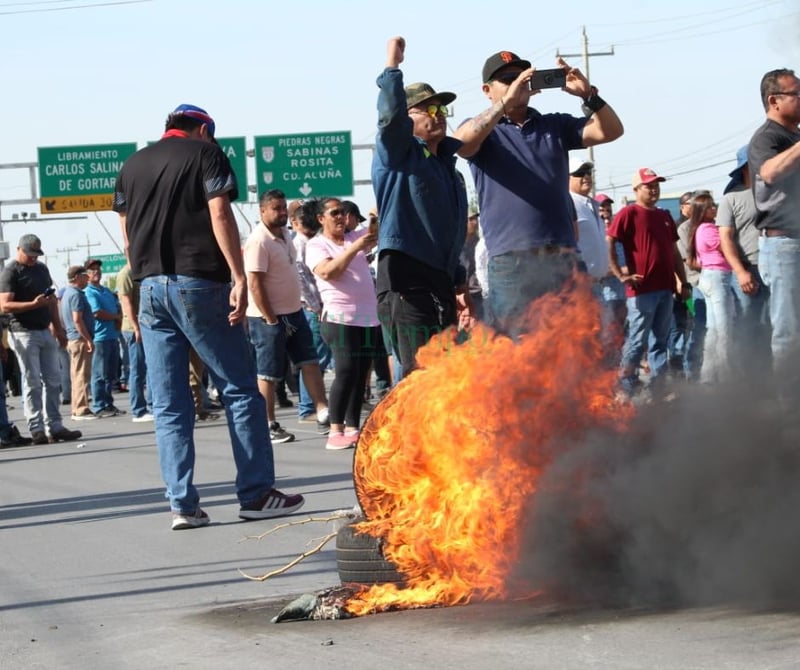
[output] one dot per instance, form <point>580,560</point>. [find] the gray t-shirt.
<point>26,282</point>
<point>779,203</point>
<point>737,210</point>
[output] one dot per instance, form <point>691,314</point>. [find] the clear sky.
<point>684,78</point>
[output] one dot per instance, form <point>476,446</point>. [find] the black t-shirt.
<point>26,282</point>
<point>778,204</point>
<point>164,191</point>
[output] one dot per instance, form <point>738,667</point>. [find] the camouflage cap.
<point>421,92</point>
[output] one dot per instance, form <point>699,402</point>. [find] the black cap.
<point>349,207</point>
<point>31,245</point>
<point>500,60</point>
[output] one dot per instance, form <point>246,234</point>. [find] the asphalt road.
<point>91,576</point>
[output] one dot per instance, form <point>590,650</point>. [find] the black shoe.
<point>38,437</point>
<point>278,435</point>
<point>271,504</point>
<point>65,435</point>
<point>284,402</point>
<point>14,439</point>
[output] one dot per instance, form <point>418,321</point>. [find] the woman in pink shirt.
<point>705,254</point>
<point>349,322</point>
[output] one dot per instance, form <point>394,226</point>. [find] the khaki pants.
<point>80,372</point>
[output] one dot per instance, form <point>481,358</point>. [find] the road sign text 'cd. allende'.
<point>305,165</point>
<point>80,178</point>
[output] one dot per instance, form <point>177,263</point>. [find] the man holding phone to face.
<point>35,334</point>
<point>526,218</point>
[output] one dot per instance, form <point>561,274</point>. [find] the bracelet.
<point>594,103</point>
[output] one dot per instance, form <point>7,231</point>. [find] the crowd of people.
<point>317,285</point>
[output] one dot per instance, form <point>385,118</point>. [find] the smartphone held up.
<point>554,78</point>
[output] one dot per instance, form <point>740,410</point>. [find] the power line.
<point>718,14</point>
<point>61,9</point>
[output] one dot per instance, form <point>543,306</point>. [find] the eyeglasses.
<point>335,212</point>
<point>431,110</point>
<point>793,94</point>
<point>508,78</point>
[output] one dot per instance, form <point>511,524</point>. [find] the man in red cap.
<point>648,236</point>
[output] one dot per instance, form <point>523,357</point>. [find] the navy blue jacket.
<point>421,197</point>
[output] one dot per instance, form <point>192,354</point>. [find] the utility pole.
<point>585,54</point>
<point>87,244</point>
<point>68,250</point>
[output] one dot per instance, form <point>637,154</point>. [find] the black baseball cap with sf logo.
<point>500,60</point>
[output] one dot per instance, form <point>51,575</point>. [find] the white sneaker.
<point>182,521</point>
<point>143,419</point>
<point>89,416</point>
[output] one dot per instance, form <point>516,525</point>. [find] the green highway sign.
<point>111,262</point>
<point>305,165</point>
<point>234,149</point>
<point>80,178</point>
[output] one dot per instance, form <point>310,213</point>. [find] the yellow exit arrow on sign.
<point>76,203</point>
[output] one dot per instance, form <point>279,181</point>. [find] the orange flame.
<point>447,462</point>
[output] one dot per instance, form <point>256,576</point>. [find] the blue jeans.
<point>271,343</point>
<point>177,312</point>
<point>138,392</point>
<point>751,345</point>
<point>306,406</point>
<point>718,360</point>
<point>5,424</point>
<point>649,316</point>
<point>696,337</point>
<point>38,358</point>
<point>517,278</point>
<point>106,353</point>
<point>779,262</point>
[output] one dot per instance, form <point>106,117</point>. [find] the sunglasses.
<point>793,94</point>
<point>508,78</point>
<point>432,110</point>
<point>335,212</point>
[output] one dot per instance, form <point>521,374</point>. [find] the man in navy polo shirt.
<point>519,160</point>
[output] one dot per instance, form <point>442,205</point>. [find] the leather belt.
<point>778,232</point>
<point>549,250</point>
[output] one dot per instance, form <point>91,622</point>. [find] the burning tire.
<point>360,560</point>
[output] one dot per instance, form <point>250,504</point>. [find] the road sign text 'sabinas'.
<point>305,165</point>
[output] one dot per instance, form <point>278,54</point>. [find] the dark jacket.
<point>421,197</point>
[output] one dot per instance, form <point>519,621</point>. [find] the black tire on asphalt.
<point>360,560</point>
